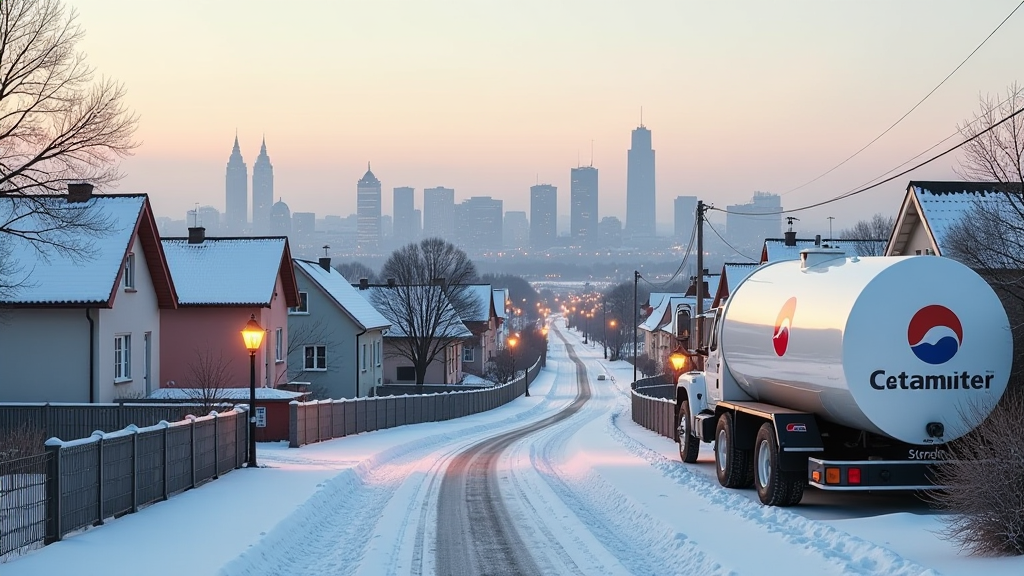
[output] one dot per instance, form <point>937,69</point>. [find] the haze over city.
<point>490,101</point>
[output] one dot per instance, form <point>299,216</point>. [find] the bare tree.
<point>356,271</point>
<point>868,237</point>
<point>429,298</point>
<point>206,378</point>
<point>58,125</point>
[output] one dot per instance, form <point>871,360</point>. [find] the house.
<point>336,337</point>
<point>500,310</point>
<point>931,209</point>
<point>482,320</point>
<point>423,322</point>
<point>732,274</point>
<point>668,326</point>
<point>83,326</point>
<point>221,283</point>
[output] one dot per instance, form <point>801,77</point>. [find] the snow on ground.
<point>594,494</point>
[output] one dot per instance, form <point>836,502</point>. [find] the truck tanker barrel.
<point>915,348</point>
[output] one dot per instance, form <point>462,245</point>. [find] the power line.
<point>894,124</point>
<point>893,177</point>
<point>734,249</point>
<point>679,270</point>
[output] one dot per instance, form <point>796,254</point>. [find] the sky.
<point>595,494</point>
<point>490,98</point>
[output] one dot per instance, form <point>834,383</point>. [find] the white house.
<point>931,209</point>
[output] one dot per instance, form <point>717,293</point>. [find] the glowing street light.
<point>252,335</point>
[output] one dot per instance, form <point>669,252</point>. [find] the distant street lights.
<point>252,334</point>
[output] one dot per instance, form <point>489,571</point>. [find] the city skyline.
<point>721,85</point>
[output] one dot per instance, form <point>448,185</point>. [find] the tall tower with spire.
<point>262,191</point>
<point>236,192</point>
<point>640,196</point>
<point>368,213</point>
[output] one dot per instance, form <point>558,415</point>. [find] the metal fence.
<point>81,420</point>
<point>22,503</point>
<point>316,421</point>
<point>654,405</point>
<point>109,475</point>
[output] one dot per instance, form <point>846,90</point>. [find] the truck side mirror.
<point>703,350</point>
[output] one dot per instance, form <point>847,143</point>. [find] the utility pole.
<point>700,272</point>
<point>636,320</point>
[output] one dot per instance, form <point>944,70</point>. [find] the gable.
<point>931,209</point>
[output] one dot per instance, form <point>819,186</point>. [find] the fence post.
<point>135,467</point>
<point>216,444</point>
<point>53,497</point>
<point>293,424</point>
<point>192,446</point>
<point>99,491</point>
<point>234,447</point>
<point>167,459</point>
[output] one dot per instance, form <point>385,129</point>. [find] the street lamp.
<point>512,341</point>
<point>678,358</point>
<point>252,334</point>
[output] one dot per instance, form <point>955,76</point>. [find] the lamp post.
<point>252,334</point>
<point>512,341</point>
<point>678,359</point>
<point>606,339</point>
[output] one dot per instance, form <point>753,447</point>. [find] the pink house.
<point>220,283</point>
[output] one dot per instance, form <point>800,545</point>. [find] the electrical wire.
<point>734,249</point>
<point>863,189</point>
<point>679,270</point>
<point>901,118</point>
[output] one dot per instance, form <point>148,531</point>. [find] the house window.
<point>378,354</point>
<point>303,307</point>
<point>405,374</point>
<point>122,357</point>
<point>362,359</point>
<point>467,354</point>
<point>315,357</point>
<point>129,272</point>
<point>279,345</point>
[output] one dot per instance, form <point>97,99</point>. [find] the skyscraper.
<point>583,206</point>
<point>543,216</point>
<point>404,212</point>
<point>685,213</point>
<point>439,213</point>
<point>236,192</point>
<point>479,219</point>
<point>368,213</point>
<point>262,191</point>
<point>640,197</point>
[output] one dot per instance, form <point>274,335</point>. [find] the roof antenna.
<point>326,248</point>
<point>790,220</point>
<point>195,216</point>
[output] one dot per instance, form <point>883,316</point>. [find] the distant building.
<point>406,230</point>
<point>516,231</point>
<point>543,216</point>
<point>685,211</point>
<point>479,218</point>
<point>439,213</point>
<point>262,192</point>
<point>640,195</point>
<point>583,205</point>
<point>280,219</point>
<point>610,231</point>
<point>417,224</point>
<point>747,225</point>
<point>303,228</point>
<point>368,213</point>
<point>236,192</point>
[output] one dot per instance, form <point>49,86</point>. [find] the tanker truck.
<point>844,373</point>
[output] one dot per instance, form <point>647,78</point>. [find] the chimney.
<point>790,238</point>
<point>391,282</point>
<point>196,235</point>
<point>364,283</point>
<point>325,263</point>
<point>79,192</point>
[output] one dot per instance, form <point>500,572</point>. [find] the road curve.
<point>475,532</point>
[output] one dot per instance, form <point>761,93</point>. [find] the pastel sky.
<point>490,97</point>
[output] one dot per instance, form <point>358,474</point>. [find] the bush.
<point>985,480</point>
<point>21,442</point>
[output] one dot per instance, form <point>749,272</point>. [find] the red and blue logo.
<point>935,334</point>
<point>783,324</point>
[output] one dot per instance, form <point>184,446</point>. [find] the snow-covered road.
<point>590,494</point>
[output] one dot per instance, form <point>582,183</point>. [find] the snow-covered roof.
<point>656,298</point>
<point>661,316</point>
<point>228,271</point>
<point>417,309</point>
<point>500,294</point>
<point>777,251</point>
<point>483,297</point>
<point>946,203</point>
<point>234,394</point>
<point>85,276</point>
<point>736,273</point>
<point>341,291</point>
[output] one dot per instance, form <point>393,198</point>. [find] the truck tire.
<point>689,445</point>
<point>732,464</point>
<point>775,487</point>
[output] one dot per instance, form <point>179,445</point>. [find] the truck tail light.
<point>853,475</point>
<point>816,476</point>
<point>832,475</point>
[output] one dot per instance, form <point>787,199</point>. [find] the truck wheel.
<point>731,463</point>
<point>774,486</point>
<point>689,445</point>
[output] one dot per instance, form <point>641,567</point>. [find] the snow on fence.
<point>80,420</point>
<point>109,475</point>
<point>320,420</point>
<point>654,405</point>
